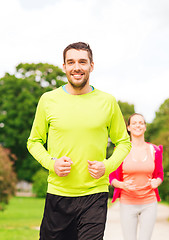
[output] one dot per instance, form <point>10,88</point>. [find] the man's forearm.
<point>38,151</point>
<point>119,154</point>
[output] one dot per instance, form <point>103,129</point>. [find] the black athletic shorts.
<point>74,218</point>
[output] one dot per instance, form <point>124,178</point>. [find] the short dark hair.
<point>79,46</point>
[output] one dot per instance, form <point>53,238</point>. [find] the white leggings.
<point>131,215</point>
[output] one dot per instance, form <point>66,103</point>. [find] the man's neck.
<point>77,91</point>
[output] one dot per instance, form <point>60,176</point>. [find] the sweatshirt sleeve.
<point>112,176</point>
<point>119,137</point>
<point>159,172</point>
<point>38,136</point>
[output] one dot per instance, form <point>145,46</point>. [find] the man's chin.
<point>78,85</point>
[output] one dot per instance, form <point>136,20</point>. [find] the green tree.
<point>40,183</point>
<point>160,122</point>
<point>127,109</point>
<point>43,73</point>
<point>158,130</point>
<point>158,133</point>
<point>19,97</point>
<point>17,108</point>
<point>7,177</point>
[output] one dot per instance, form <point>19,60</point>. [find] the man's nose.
<point>76,66</point>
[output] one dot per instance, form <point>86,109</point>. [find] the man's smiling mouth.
<point>77,76</point>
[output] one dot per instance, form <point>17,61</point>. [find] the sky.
<point>129,40</point>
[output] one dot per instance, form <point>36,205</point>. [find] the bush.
<point>111,190</point>
<point>164,187</point>
<point>40,183</point>
<point>7,177</point>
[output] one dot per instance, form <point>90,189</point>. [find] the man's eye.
<point>70,63</point>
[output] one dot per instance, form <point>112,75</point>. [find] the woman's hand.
<point>155,182</point>
<point>127,185</point>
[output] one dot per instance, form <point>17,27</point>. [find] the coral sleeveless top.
<point>139,172</point>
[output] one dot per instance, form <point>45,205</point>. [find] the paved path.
<point>113,227</point>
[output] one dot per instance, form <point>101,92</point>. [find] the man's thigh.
<point>58,221</point>
<point>91,218</point>
<point>73,218</point>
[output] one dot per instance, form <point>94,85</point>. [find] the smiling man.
<point>77,67</point>
<point>78,120</point>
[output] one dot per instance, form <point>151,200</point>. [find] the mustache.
<point>78,71</point>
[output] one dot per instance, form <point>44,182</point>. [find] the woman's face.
<point>137,126</point>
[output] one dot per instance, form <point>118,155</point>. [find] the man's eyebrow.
<point>81,59</point>
<point>69,60</point>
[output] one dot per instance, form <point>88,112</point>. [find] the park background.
<point>129,40</point>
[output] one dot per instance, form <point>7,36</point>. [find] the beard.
<point>79,84</point>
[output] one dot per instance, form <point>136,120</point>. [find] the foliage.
<point>164,187</point>
<point>18,101</point>
<point>43,73</point>
<point>111,190</point>
<point>40,183</point>
<point>160,123</point>
<point>7,178</point>
<point>158,133</point>
<point>17,108</point>
<point>127,109</point>
<point>21,219</point>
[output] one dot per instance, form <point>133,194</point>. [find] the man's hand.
<point>62,166</point>
<point>96,169</point>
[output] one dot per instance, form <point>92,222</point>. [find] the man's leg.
<point>70,233</point>
<point>58,221</point>
<point>91,217</point>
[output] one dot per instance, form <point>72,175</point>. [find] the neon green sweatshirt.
<point>78,127</point>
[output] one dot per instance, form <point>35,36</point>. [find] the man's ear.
<point>91,66</point>
<point>64,68</point>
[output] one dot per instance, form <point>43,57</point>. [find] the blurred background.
<point>129,39</point>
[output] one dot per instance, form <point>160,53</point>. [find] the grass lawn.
<point>21,219</point>
<point>109,202</point>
